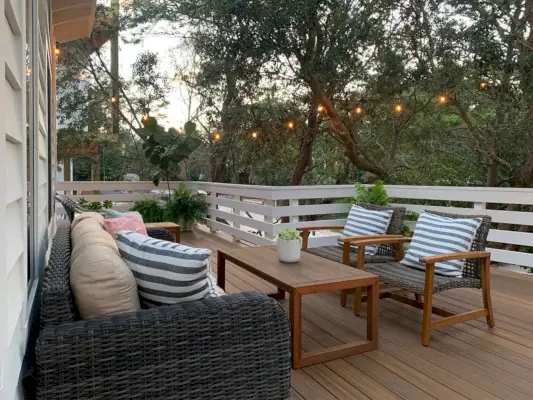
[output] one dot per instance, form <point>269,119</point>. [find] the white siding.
<point>17,291</point>
<point>13,220</point>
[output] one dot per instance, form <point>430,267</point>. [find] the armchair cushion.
<point>166,272</point>
<point>362,221</point>
<point>434,235</point>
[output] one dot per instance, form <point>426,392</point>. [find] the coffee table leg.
<point>279,295</point>
<point>372,314</point>
<point>296,327</point>
<point>221,270</point>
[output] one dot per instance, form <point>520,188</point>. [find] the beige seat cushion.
<point>101,281</point>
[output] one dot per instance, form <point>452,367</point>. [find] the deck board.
<point>465,361</point>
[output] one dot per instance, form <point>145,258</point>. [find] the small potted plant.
<point>289,245</point>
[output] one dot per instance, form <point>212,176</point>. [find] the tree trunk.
<point>306,145</point>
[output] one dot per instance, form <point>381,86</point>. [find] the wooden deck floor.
<point>467,361</point>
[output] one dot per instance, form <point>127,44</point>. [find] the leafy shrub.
<point>94,205</point>
<point>152,210</point>
<point>371,195</point>
<point>186,207</point>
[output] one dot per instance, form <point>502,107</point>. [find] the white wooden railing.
<point>255,213</point>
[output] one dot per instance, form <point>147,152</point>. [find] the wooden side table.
<point>312,274</point>
<point>169,226</point>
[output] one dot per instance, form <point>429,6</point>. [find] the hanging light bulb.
<point>57,51</point>
<point>321,108</point>
<point>28,71</point>
<point>217,136</point>
<point>358,110</point>
<point>180,131</point>
<point>443,99</point>
<point>82,76</point>
<point>482,85</point>
<point>398,108</point>
<point>255,134</point>
<point>145,117</point>
<point>113,99</point>
<point>290,124</point>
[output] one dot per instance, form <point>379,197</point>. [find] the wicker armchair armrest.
<point>373,239</point>
<point>234,346</point>
<point>362,241</point>
<point>455,256</point>
<point>160,233</point>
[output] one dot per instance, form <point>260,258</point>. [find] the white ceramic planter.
<point>289,250</point>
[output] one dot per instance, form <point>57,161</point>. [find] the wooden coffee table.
<point>169,226</point>
<point>311,275</point>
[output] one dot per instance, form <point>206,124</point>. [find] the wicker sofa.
<point>231,347</point>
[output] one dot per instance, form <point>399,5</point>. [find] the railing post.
<point>236,211</point>
<point>294,203</point>
<point>269,219</point>
<point>211,217</point>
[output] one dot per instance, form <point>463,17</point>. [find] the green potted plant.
<point>186,208</point>
<point>289,245</point>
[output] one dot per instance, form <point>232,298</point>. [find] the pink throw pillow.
<point>132,223</point>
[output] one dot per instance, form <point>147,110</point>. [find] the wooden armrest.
<point>455,256</point>
<point>354,239</point>
<point>369,240</point>
<point>319,228</point>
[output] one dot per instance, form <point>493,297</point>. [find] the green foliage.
<point>186,207</point>
<point>152,210</point>
<point>375,194</point>
<point>288,234</point>
<point>166,148</point>
<point>94,205</point>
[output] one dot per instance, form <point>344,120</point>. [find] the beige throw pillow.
<point>101,281</point>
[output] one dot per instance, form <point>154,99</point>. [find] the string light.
<point>443,99</point>
<point>28,71</point>
<point>358,110</point>
<point>145,117</point>
<point>482,85</point>
<point>113,99</point>
<point>398,108</point>
<point>57,51</point>
<point>321,108</point>
<point>217,136</point>
<point>254,134</point>
<point>82,76</point>
<point>290,124</point>
<point>180,131</point>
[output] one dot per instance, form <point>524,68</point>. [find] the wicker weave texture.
<point>404,277</point>
<point>57,300</point>
<point>231,347</point>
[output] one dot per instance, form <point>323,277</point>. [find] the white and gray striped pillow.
<point>166,272</point>
<point>441,235</point>
<point>362,222</point>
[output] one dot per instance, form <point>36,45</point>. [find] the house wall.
<point>22,255</point>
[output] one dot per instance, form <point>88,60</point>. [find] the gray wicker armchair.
<point>404,279</point>
<point>231,347</point>
<point>347,254</point>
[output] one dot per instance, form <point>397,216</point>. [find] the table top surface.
<point>311,270</point>
<point>162,225</point>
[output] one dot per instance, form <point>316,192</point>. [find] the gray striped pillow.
<point>363,222</point>
<point>166,272</point>
<point>441,235</point>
